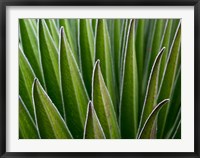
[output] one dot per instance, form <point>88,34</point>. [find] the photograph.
<point>87,78</point>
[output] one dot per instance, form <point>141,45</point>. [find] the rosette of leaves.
<point>99,78</point>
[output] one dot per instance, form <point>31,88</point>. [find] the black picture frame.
<point>5,3</point>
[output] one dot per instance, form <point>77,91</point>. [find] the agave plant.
<point>99,79</point>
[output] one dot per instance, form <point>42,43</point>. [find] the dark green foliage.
<point>100,78</point>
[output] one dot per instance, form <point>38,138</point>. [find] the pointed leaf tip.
<point>103,104</point>
<point>93,129</point>
<point>62,31</point>
<point>147,128</point>
<point>75,96</point>
<point>90,105</point>
<point>151,92</point>
<point>50,123</point>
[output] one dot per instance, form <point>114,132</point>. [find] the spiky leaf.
<point>50,123</point>
<point>30,46</point>
<point>86,51</point>
<point>103,104</point>
<point>49,58</point>
<point>69,35</point>
<point>26,78</point>
<point>129,90</point>
<point>148,125</point>
<point>93,129</point>
<point>103,53</point>
<point>27,128</point>
<point>166,44</point>
<point>53,30</point>
<point>168,79</point>
<point>74,92</point>
<point>152,89</point>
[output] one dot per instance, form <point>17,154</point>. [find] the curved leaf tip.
<point>147,128</point>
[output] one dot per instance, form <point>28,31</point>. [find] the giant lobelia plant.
<point>99,79</point>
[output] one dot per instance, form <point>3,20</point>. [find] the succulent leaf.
<point>103,53</point>
<point>86,51</point>
<point>71,39</point>
<point>148,125</point>
<point>50,123</point>
<point>74,92</point>
<point>152,89</point>
<point>26,78</point>
<point>49,60</point>
<point>129,91</point>
<point>93,129</point>
<point>168,80</point>
<point>53,30</point>
<point>103,104</point>
<point>30,46</point>
<point>27,127</point>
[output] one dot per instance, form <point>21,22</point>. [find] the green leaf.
<point>166,44</point>
<point>129,90</point>
<point>147,54</point>
<point>50,123</point>
<point>103,105</point>
<point>153,47</point>
<point>34,23</point>
<point>156,40</point>
<point>124,37</point>
<point>110,26</point>
<point>117,46</point>
<point>73,88</point>
<point>174,28</point>
<point>175,125</point>
<point>26,78</point>
<point>148,125</point>
<point>30,46</point>
<point>152,90</point>
<point>93,129</point>
<point>175,103</point>
<point>94,24</point>
<point>168,79</point>
<point>53,30</point>
<point>69,35</point>
<point>49,59</point>
<point>140,46</point>
<point>177,134</point>
<point>103,53</point>
<point>86,51</point>
<point>27,128</point>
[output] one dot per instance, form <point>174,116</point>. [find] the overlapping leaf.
<point>129,90</point>
<point>103,105</point>
<point>49,59</point>
<point>147,128</point>
<point>50,123</point>
<point>116,55</point>
<point>93,129</point>
<point>152,90</point>
<point>174,105</point>
<point>53,30</point>
<point>168,79</point>
<point>74,92</point>
<point>71,39</point>
<point>103,53</point>
<point>27,127</point>
<point>124,87</point>
<point>86,51</point>
<point>30,46</point>
<point>165,43</point>
<point>26,78</point>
